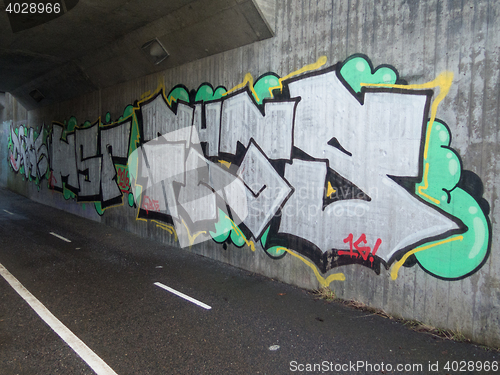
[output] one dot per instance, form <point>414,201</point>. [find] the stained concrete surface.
<point>101,287</point>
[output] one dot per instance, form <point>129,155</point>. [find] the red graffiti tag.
<point>363,251</point>
<point>123,179</point>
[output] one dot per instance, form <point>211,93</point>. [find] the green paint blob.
<point>178,93</point>
<point>131,199</point>
<point>219,93</point>
<point>108,118</point>
<point>357,70</point>
<point>263,238</point>
<point>263,86</point>
<point>98,208</point>
<point>206,93</point>
<point>453,259</point>
<point>237,238</point>
<point>224,230</point>
<point>453,167</point>
<point>72,124</point>
<point>67,194</point>
<point>440,159</point>
<point>458,258</point>
<point>128,111</point>
<point>275,251</point>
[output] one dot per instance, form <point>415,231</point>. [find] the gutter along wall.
<point>356,149</point>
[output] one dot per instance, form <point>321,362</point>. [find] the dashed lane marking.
<point>182,295</point>
<point>60,237</point>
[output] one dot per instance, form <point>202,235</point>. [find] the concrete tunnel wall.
<point>386,193</point>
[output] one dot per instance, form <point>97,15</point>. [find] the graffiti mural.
<point>341,165</point>
<point>28,154</point>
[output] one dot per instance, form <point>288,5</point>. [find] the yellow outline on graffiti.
<point>248,80</point>
<point>426,185</point>
<point>239,232</point>
<point>315,65</point>
<point>192,237</point>
<point>167,227</point>
<point>395,268</point>
<point>324,282</point>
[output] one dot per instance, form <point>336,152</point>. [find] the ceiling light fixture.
<point>37,95</point>
<point>155,52</point>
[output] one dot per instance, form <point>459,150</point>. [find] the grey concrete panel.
<point>95,46</point>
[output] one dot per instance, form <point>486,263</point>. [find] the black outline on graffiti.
<point>99,154</point>
<point>19,141</point>
<point>325,261</point>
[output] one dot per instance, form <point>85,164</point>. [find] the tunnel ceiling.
<point>97,43</point>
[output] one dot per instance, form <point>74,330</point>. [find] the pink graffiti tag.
<point>13,161</point>
<point>52,180</point>
<point>150,205</point>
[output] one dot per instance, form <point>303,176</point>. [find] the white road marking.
<point>182,295</point>
<point>9,212</point>
<point>93,360</point>
<point>60,237</point>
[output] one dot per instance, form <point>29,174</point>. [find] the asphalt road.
<point>101,287</point>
